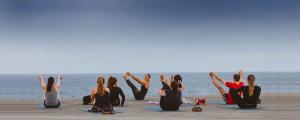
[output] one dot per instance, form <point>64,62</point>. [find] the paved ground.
<point>274,106</point>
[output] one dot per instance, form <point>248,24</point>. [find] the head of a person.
<point>112,82</point>
<point>236,77</point>
<point>177,78</point>
<point>147,77</point>
<point>50,83</point>
<point>251,80</point>
<point>100,86</point>
<point>174,85</point>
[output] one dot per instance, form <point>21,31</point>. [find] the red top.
<point>234,86</point>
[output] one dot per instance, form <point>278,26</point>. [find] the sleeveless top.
<point>143,91</point>
<point>51,97</point>
<point>103,100</point>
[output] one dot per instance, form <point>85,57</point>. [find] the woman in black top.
<point>138,94</point>
<point>115,92</point>
<point>251,94</point>
<point>170,97</point>
<point>101,97</point>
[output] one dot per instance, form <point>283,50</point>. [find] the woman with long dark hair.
<point>51,90</point>
<point>115,92</point>
<point>251,94</point>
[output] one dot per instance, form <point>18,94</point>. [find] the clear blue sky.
<point>94,36</point>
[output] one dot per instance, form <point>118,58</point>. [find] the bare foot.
<point>125,76</point>
<point>60,77</point>
<point>210,74</point>
<point>162,77</point>
<point>40,77</point>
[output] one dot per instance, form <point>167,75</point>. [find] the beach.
<point>273,106</point>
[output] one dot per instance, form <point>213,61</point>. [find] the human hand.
<point>60,77</point>
<point>162,77</point>
<point>125,75</point>
<point>40,77</point>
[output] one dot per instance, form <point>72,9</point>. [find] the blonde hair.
<point>100,88</point>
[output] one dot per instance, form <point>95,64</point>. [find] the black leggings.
<point>242,102</point>
<point>56,106</point>
<point>137,94</point>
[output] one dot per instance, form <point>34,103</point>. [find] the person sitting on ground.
<point>51,90</point>
<point>237,83</point>
<point>138,94</point>
<point>176,78</point>
<point>88,99</point>
<point>170,97</point>
<point>251,94</point>
<point>115,92</point>
<point>101,98</point>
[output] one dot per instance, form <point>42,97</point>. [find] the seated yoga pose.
<point>251,94</point>
<point>170,96</point>
<point>101,98</point>
<point>235,84</point>
<point>51,91</point>
<point>138,94</point>
<point>115,92</point>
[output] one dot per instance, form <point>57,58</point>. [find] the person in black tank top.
<point>138,94</point>
<point>170,97</point>
<point>102,100</point>
<point>101,96</point>
<point>251,94</point>
<point>115,92</point>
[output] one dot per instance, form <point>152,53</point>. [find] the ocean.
<point>75,86</point>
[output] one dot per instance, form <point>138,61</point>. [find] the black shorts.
<point>225,98</point>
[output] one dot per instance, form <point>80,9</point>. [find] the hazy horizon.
<point>115,36</point>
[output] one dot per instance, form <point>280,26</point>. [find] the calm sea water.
<point>197,84</point>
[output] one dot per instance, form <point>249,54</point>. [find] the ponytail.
<point>100,88</point>
<point>50,83</point>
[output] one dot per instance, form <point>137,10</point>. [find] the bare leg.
<point>217,85</point>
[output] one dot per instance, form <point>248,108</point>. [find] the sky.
<point>112,36</point>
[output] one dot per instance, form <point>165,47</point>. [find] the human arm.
<point>182,87</point>
<point>123,96</point>
<point>256,93</point>
<point>42,82</point>
<point>94,91</point>
<point>58,81</point>
<point>241,76</point>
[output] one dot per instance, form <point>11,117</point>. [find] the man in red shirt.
<point>237,83</point>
